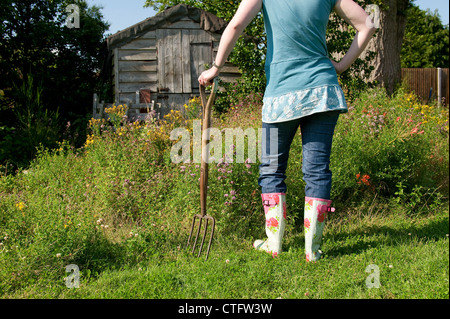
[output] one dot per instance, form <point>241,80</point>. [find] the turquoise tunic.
<point>301,80</point>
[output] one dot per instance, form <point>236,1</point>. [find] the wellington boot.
<point>316,211</point>
<point>275,212</point>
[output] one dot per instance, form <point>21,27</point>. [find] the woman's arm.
<point>354,15</point>
<point>247,10</point>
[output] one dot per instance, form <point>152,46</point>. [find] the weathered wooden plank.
<point>133,77</point>
<point>130,97</point>
<point>176,60</point>
<point>143,66</point>
<point>142,55</point>
<point>184,24</point>
<point>215,37</point>
<point>195,65</point>
<point>125,98</point>
<point>139,44</point>
<point>201,54</point>
<point>161,54</point>
<point>186,61</point>
<point>133,87</point>
<point>168,63</point>
<point>149,35</point>
<point>116,74</point>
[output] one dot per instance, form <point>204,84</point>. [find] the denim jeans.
<point>317,136</point>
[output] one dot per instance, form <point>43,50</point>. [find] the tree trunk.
<point>388,43</point>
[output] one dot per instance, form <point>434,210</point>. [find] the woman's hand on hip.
<point>337,67</point>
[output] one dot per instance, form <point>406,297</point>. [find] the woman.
<point>302,90</point>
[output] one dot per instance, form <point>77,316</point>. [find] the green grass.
<point>412,255</point>
<point>120,210</point>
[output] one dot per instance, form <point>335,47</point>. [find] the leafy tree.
<point>426,40</point>
<point>36,40</point>
<point>55,65</point>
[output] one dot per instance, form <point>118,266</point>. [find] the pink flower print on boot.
<point>275,215</point>
<point>316,211</point>
<point>322,211</point>
<point>307,224</point>
<point>272,224</point>
<point>276,199</point>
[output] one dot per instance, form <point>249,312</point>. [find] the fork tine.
<point>203,238</point>
<point>206,227</point>
<point>198,232</point>
<point>191,232</point>
<point>210,239</point>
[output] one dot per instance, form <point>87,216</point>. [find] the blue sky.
<point>441,5</point>
<point>122,14</point>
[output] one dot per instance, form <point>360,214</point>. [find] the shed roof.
<point>208,22</point>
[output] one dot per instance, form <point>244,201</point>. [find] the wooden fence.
<point>429,84</point>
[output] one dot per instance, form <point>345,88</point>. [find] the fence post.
<point>439,86</point>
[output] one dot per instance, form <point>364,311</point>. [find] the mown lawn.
<point>412,255</point>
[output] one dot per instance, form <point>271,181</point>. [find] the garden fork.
<point>204,175</point>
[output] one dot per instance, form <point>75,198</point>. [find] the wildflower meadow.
<point>118,211</point>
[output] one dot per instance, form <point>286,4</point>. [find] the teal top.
<point>301,80</point>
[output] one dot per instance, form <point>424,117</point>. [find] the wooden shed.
<point>160,59</point>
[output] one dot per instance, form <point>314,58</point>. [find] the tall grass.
<point>118,206</point>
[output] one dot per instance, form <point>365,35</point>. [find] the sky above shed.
<point>122,14</point>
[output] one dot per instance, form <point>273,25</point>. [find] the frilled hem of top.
<point>302,103</point>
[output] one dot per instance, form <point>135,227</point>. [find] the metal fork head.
<point>200,219</point>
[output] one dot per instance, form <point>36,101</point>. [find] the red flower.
<point>284,210</point>
<point>272,222</point>
<point>321,213</point>
<point>307,223</point>
<point>364,179</point>
<point>276,199</point>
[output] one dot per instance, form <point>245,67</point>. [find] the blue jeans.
<point>317,137</point>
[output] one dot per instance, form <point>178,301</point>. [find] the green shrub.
<point>389,141</point>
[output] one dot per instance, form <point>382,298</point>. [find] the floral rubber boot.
<point>316,211</point>
<point>275,212</point>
